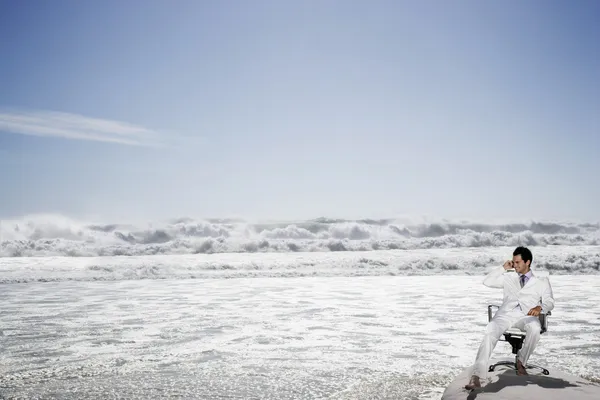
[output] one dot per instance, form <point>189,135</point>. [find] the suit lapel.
<point>530,282</point>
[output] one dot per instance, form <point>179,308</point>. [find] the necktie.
<point>522,280</point>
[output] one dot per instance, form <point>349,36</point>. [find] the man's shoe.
<point>521,368</point>
<point>473,383</point>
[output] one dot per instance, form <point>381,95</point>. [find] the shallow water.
<point>269,338</point>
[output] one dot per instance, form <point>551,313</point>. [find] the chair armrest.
<point>544,321</point>
<point>490,314</point>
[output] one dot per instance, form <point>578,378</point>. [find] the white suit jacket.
<point>536,292</point>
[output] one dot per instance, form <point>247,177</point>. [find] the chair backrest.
<point>543,317</point>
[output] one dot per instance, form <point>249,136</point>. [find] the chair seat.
<point>515,331</point>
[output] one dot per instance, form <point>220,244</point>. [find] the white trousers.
<point>494,330</point>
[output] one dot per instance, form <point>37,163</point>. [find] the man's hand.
<point>535,311</point>
<point>508,265</point>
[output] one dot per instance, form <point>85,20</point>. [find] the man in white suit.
<point>525,297</point>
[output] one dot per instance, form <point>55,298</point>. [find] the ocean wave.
<point>580,260</point>
<point>60,236</point>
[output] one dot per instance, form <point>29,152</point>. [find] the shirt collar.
<point>529,274</point>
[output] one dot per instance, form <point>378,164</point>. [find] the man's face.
<point>519,265</point>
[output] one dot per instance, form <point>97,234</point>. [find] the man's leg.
<point>493,331</point>
<point>532,327</point>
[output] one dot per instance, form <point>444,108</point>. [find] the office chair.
<point>516,337</point>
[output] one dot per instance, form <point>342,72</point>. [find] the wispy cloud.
<point>78,127</point>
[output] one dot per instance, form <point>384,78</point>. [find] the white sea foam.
<point>292,338</point>
<point>579,260</point>
<point>49,235</point>
<point>81,321</point>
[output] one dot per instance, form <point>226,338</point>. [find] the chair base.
<point>513,365</point>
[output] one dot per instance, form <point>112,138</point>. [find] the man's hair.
<point>525,254</point>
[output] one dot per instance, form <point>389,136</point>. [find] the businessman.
<point>525,297</point>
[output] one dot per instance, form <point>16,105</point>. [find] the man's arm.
<point>495,279</point>
<point>547,297</point>
<point>547,300</point>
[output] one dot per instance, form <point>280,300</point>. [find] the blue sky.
<point>282,110</point>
